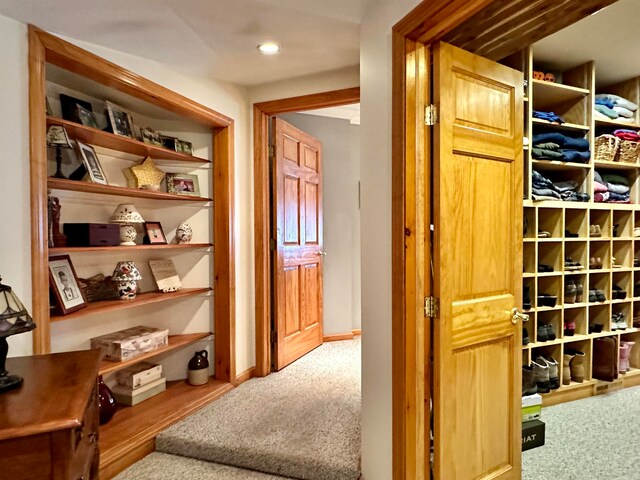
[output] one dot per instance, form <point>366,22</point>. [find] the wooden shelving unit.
<point>557,126</point>
<point>549,94</point>
<point>130,434</point>
<point>105,306</point>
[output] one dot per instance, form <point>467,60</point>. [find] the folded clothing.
<point>548,116</point>
<point>617,101</point>
<point>544,154</point>
<point>617,197</point>
<point>569,185</point>
<point>623,112</point>
<point>600,116</point>
<point>601,197</point>
<point>563,141</point>
<point>575,156</point>
<point>544,189</point>
<point>604,101</point>
<point>607,112</point>
<point>624,134</point>
<point>617,188</point>
<point>599,187</point>
<point>613,178</point>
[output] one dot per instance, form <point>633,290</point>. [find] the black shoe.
<point>542,334</point>
<point>525,337</point>
<point>542,268</point>
<point>595,328</point>
<point>600,295</point>
<point>592,296</point>
<point>526,298</point>
<point>551,334</point>
<point>568,234</point>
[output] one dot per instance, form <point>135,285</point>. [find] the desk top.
<point>54,394</point>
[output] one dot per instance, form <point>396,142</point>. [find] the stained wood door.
<point>297,197</point>
<point>477,195</point>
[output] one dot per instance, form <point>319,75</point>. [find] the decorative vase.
<point>127,290</point>
<point>184,234</point>
<point>106,402</point>
<point>199,368</point>
<point>128,235</point>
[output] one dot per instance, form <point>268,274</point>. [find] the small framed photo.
<point>183,184</point>
<point>121,120</point>
<point>86,117</point>
<point>151,137</point>
<point>65,286</point>
<point>185,147</point>
<point>170,143</point>
<point>92,164</point>
<point>154,234</point>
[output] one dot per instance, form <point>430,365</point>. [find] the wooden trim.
<point>262,222</point>
<point>356,332</point>
<point>248,374</point>
<point>336,337</point>
<point>38,182</point>
<point>109,471</point>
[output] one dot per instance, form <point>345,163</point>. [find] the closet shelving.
<point>573,99</point>
<point>200,315</point>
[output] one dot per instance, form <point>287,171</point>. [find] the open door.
<point>477,211</point>
<point>297,200</point>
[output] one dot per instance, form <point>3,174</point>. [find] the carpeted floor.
<point>597,438</point>
<point>302,422</point>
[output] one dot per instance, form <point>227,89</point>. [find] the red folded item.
<point>632,137</point>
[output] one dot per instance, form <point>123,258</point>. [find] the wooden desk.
<point>49,426</point>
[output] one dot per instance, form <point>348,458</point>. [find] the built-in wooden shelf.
<point>557,165</point>
<point>129,248</point>
<point>99,138</point>
<point>548,94</point>
<point>175,342</point>
<point>88,187</point>
<point>557,126</point>
<point>133,427</point>
<point>105,306</point>
<point>614,124</point>
<point>616,165</point>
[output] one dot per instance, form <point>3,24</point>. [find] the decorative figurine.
<point>56,238</point>
<point>184,234</point>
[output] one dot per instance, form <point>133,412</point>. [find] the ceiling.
<point>610,37</point>
<point>215,38</point>
<point>345,112</point>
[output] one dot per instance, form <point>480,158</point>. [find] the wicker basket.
<point>628,151</point>
<point>606,148</point>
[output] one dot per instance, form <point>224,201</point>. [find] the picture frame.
<point>65,285</point>
<point>92,164</point>
<point>154,234</point>
<point>170,143</point>
<point>165,274</point>
<point>120,120</point>
<point>86,117</point>
<point>69,107</point>
<point>185,147</point>
<point>183,184</point>
<point>151,137</point>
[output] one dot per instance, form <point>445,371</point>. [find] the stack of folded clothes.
<point>611,188</point>
<point>557,146</point>
<point>545,189</point>
<point>629,135</point>
<point>548,116</point>
<point>614,107</point>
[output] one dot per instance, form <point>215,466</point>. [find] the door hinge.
<point>274,337</point>
<point>431,115</point>
<point>272,244</point>
<point>430,307</point>
<point>271,151</point>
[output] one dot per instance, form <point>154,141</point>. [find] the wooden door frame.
<point>262,216</point>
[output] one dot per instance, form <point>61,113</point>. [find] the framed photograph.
<point>92,164</point>
<point>154,234</point>
<point>151,137</point>
<point>183,184</point>
<point>170,143</point>
<point>64,285</point>
<point>121,120</point>
<point>69,106</point>
<point>86,117</point>
<point>185,147</point>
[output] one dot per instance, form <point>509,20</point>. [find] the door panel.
<point>297,194</point>
<point>478,262</point>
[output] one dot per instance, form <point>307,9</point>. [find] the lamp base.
<point>9,382</point>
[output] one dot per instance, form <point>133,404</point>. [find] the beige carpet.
<point>302,423</point>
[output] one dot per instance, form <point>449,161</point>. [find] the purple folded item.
<point>598,187</point>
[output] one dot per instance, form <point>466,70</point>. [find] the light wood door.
<point>477,194</point>
<point>297,195</point>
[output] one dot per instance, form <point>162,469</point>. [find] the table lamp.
<point>57,137</point>
<point>14,319</point>
<point>126,275</point>
<point>127,216</point>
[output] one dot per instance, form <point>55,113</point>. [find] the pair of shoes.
<point>614,264</point>
<point>547,375</point>
<point>542,268</point>
<point>618,322</point>
<point>570,290</point>
<point>595,263</point>
<point>568,234</point>
<point>617,293</point>
<point>546,300</point>
<point>572,366</point>
<point>596,295</point>
<point>569,264</point>
<point>543,234</point>
<point>615,230</point>
<point>529,383</point>
<point>525,337</point>
<point>569,328</point>
<point>625,354</point>
<point>595,231</point>
<point>595,328</point>
<point>545,332</point>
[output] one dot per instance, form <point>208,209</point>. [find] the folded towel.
<point>599,187</point>
<point>601,197</point>
<point>564,141</point>
<point>539,198</point>
<point>605,102</point>
<point>600,116</point>
<point>548,116</point>
<point>544,154</point>
<point>618,197</point>
<point>629,135</point>
<point>615,178</point>
<point>617,188</point>
<point>609,112</point>
<point>547,146</point>
<point>617,101</point>
<point>623,112</point>
<point>575,156</point>
<point>625,120</point>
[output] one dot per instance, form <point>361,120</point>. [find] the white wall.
<point>375,172</point>
<point>341,218</point>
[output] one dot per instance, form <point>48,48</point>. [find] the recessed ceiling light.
<point>269,48</point>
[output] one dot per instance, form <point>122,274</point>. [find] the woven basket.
<point>628,151</point>
<point>606,148</point>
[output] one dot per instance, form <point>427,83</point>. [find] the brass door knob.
<point>516,316</point>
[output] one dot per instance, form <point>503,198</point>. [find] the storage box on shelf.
<point>190,314</point>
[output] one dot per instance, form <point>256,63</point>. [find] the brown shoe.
<point>605,359</point>
<point>576,365</point>
<point>566,370</point>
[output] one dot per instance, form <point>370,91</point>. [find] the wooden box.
<point>92,234</point>
<point>126,344</point>
<point>139,375</point>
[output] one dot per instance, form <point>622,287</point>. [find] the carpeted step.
<point>302,422</point>
<point>162,466</point>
